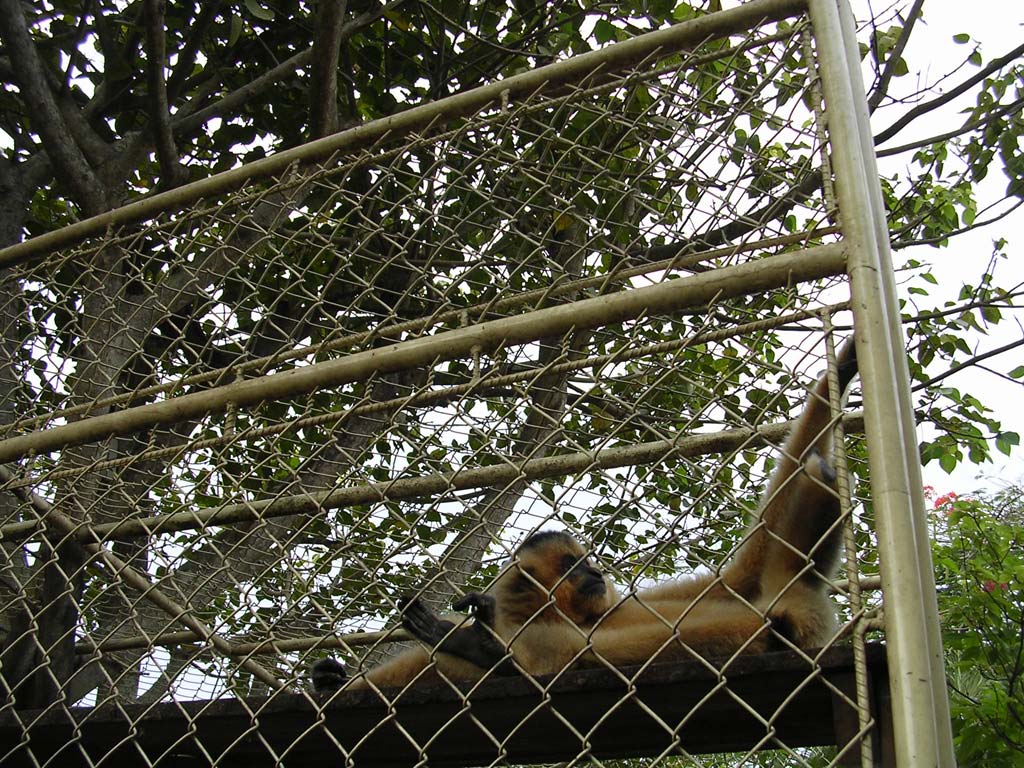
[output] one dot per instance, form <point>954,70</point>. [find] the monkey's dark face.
<point>554,565</point>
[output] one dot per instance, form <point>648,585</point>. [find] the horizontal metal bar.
<point>432,485</point>
<point>682,261</point>
<point>427,116</point>
<point>278,646</point>
<point>438,396</point>
<point>758,276</point>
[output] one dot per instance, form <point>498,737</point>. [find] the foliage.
<point>978,545</point>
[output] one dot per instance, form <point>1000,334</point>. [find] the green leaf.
<point>961,38</point>
<point>948,462</point>
<point>604,31</point>
<point>1005,441</point>
<point>1017,373</point>
<point>259,11</point>
<point>237,26</point>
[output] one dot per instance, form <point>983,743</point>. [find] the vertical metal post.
<point>921,721</point>
<point>923,541</point>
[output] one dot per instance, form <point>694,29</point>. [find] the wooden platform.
<point>668,708</point>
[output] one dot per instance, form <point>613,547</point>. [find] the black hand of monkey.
<point>475,643</point>
<point>479,605</point>
<point>422,623</point>
<point>847,363</point>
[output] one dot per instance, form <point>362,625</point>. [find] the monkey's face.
<point>554,565</point>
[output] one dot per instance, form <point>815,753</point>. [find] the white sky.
<point>997,26</point>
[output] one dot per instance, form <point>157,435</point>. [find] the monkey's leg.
<point>330,675</point>
<point>708,629</point>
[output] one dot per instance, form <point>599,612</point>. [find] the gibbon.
<point>551,607</point>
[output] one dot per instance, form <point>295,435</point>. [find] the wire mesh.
<point>248,428</point>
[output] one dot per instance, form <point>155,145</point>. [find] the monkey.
<point>551,607</point>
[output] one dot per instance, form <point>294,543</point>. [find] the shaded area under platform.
<point>665,708</point>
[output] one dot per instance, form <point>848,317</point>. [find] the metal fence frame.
<point>920,704</point>
<point>921,721</point>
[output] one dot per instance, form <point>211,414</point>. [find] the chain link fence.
<point>250,416</point>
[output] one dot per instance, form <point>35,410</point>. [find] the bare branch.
<point>1006,109</point>
<point>882,86</point>
<point>187,121</point>
<point>928,106</point>
<point>1000,302</point>
<point>187,55</point>
<point>800,191</point>
<point>969,363</point>
<point>977,224</point>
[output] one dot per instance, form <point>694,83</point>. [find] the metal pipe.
<point>920,712</point>
<point>752,277</point>
<point>916,484</point>
<point>437,396</point>
<point>426,117</point>
<point>428,485</point>
<point>419,325</point>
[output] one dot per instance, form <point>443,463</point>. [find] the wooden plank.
<point>755,701</point>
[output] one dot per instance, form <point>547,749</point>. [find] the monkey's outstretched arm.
<point>476,643</point>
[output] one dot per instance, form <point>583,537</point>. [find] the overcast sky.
<point>997,26</point>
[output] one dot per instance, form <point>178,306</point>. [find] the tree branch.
<point>69,163</point>
<point>1006,109</point>
<point>187,121</point>
<point>323,83</point>
<point>171,172</point>
<point>969,363</point>
<point>977,224</point>
<point>882,87</point>
<point>928,106</point>
<point>187,55</point>
<point>798,193</point>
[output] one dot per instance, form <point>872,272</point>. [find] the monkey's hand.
<point>476,643</point>
<point>328,675</point>
<point>422,623</point>
<point>479,605</point>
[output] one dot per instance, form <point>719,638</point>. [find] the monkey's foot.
<point>819,467</point>
<point>328,675</point>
